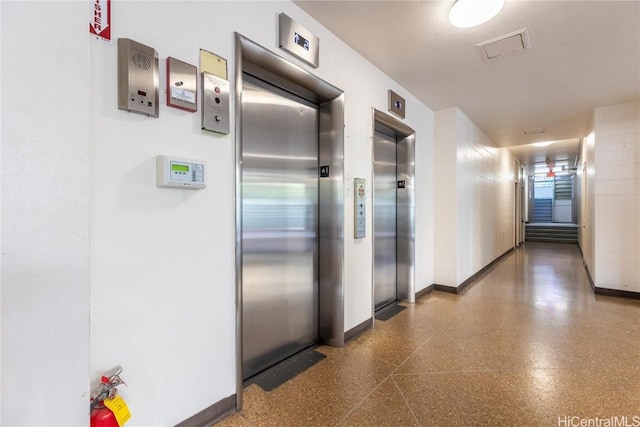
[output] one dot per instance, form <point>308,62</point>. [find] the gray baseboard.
<point>445,288</point>
<point>609,292</point>
<point>473,279</point>
<point>212,414</point>
<point>424,292</point>
<point>355,331</point>
<point>617,293</point>
<point>591,282</point>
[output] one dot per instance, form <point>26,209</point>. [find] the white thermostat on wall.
<point>175,172</point>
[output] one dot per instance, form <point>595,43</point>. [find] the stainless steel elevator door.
<point>279,225</point>
<point>384,227</point>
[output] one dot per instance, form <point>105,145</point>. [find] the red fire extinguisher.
<point>101,414</point>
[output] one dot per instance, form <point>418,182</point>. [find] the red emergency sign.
<point>100,19</point>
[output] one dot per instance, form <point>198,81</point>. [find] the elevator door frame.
<point>255,60</point>
<point>405,206</point>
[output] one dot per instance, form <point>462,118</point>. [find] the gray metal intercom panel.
<point>215,103</point>
<point>138,78</point>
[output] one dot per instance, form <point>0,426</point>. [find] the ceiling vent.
<point>533,131</point>
<point>509,44</point>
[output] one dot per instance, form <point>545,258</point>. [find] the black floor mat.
<point>285,370</point>
<point>388,312</point>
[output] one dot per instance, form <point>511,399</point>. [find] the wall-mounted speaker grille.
<point>141,61</point>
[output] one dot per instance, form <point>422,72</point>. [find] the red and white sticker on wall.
<point>100,20</point>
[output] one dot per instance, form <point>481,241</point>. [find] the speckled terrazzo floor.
<point>527,345</point>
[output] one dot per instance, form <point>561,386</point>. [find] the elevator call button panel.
<point>180,173</point>
<point>215,103</point>
<point>360,197</point>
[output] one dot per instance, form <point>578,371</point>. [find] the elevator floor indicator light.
<point>396,104</point>
<point>299,41</point>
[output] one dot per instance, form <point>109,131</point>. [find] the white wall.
<point>526,197</point>
<point>1,217</point>
<point>446,200</point>
<point>521,201</point>
<point>579,197</point>
<point>45,214</point>
<point>170,319</point>
<point>617,196</point>
<point>485,199</point>
<point>478,225</point>
<point>586,216</point>
<point>424,198</point>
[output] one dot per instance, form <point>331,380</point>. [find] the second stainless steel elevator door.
<point>384,231</point>
<point>279,225</point>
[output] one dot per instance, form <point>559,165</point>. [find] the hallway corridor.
<point>529,344</point>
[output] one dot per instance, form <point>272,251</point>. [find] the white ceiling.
<point>562,153</point>
<point>584,54</point>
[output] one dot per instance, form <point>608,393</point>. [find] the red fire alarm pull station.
<point>182,85</point>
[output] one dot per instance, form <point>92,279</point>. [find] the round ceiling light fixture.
<point>469,13</point>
